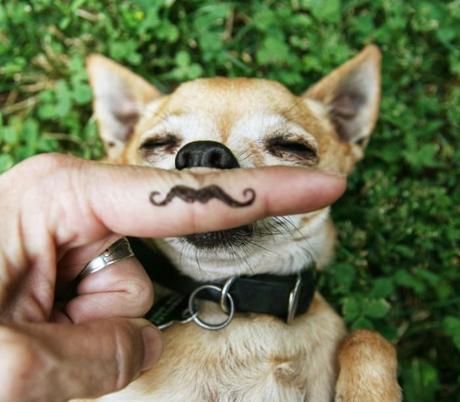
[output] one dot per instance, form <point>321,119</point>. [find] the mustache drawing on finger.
<point>202,195</point>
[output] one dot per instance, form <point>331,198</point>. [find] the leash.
<point>282,296</point>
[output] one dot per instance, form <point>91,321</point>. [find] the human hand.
<point>58,213</point>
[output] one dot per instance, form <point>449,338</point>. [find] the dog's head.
<point>228,123</point>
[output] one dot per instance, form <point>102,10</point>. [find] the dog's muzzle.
<point>221,239</point>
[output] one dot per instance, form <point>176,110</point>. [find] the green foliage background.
<point>397,267</point>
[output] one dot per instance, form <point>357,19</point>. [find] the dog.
<point>245,122</point>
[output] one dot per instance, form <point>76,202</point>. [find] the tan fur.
<point>257,357</point>
<point>228,366</point>
<point>372,376</point>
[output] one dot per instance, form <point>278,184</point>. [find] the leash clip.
<point>187,317</point>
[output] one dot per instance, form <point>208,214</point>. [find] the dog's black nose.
<point>205,154</point>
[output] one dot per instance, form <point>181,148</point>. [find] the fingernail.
<point>152,346</point>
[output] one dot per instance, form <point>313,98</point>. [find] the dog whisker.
<point>246,259</point>
<point>270,229</point>
<point>310,252</point>
<point>244,155</point>
<point>254,243</point>
<point>286,222</point>
<point>197,260</point>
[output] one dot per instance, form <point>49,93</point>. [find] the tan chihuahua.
<point>304,355</point>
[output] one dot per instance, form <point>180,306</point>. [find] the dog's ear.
<point>351,95</point>
<point>119,99</point>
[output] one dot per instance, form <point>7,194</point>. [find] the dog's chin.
<point>222,239</point>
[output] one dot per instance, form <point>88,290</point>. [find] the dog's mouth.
<point>221,239</point>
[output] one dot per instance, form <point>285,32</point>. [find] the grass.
<point>397,266</point>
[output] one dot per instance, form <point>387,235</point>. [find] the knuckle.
<point>18,365</point>
<point>49,162</point>
<point>45,166</point>
<point>141,291</point>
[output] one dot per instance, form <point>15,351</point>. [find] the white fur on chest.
<point>254,359</point>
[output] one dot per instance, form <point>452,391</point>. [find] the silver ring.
<point>118,251</point>
<point>206,325</point>
<point>224,294</point>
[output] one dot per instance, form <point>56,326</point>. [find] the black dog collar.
<point>283,296</point>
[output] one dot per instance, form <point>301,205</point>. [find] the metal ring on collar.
<point>118,251</point>
<point>206,325</point>
<point>224,294</point>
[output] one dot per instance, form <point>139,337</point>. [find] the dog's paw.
<point>369,396</point>
<point>368,368</point>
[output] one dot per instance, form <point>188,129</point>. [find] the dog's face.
<point>221,123</point>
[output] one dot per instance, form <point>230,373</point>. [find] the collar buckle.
<point>293,302</point>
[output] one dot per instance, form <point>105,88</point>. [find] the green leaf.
<point>382,287</point>
<point>346,274</point>
<point>124,50</point>
<point>421,381</point>
<point>362,323</point>
<point>168,32</point>
<point>30,135</point>
<point>451,325</point>
<point>47,111</point>
<point>377,308</point>
<point>273,51</point>
<point>9,135</point>
<point>324,10</point>
<point>82,93</point>
<point>6,162</point>
<point>182,58</point>
<point>351,308</point>
<point>404,278</point>
<point>264,19</point>
<point>64,98</point>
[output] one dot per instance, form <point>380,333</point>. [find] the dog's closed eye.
<point>292,149</point>
<point>161,143</point>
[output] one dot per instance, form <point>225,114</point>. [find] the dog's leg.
<point>367,364</point>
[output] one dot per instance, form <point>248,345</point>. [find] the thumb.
<point>58,362</point>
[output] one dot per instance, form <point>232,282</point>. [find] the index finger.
<point>84,201</point>
<point>147,202</point>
